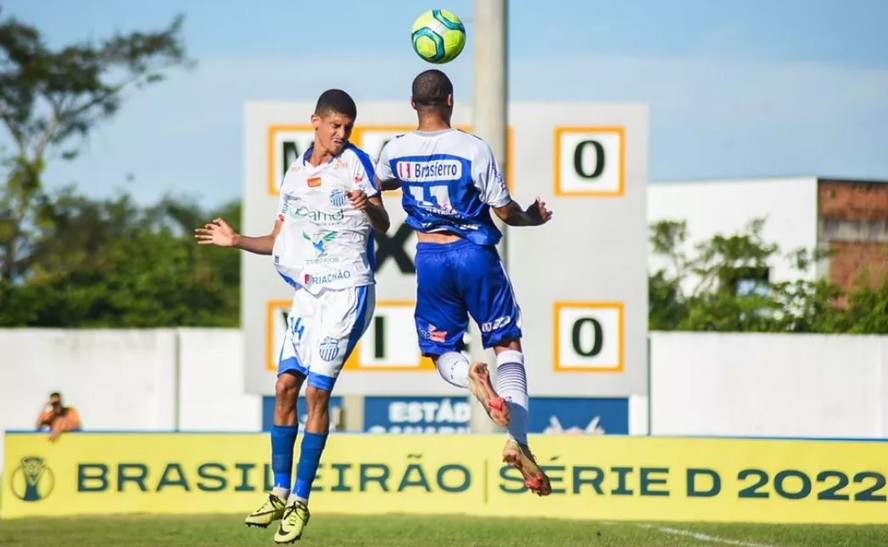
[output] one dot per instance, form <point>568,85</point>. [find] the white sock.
<point>454,367</point>
<point>511,384</point>
<point>281,492</point>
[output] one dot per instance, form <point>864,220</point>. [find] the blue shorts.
<point>454,280</point>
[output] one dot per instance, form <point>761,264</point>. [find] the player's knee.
<point>287,387</point>
<point>317,399</point>
<point>508,343</point>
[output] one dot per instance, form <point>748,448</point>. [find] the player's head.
<point>333,120</point>
<point>55,399</point>
<point>433,93</point>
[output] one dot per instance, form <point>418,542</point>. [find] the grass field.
<point>412,530</point>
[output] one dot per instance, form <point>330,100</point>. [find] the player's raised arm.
<point>220,233</point>
<point>512,214</point>
<point>373,207</point>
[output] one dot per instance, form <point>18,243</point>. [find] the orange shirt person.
<point>58,417</point>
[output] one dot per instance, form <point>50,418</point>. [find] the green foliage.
<point>731,291</point>
<point>110,263</point>
<point>50,99</point>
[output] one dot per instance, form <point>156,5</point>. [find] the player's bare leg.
<point>317,426</point>
<point>283,439</point>
<point>482,389</point>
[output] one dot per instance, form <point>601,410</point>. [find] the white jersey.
<point>324,242</point>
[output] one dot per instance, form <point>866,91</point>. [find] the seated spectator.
<point>57,417</point>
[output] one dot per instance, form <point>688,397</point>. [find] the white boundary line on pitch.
<point>702,537</point>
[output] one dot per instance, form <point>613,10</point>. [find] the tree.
<point>50,99</point>
<point>111,263</point>
<point>723,285</point>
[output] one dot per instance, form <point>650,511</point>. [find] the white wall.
<point>700,383</point>
<point>212,396</point>
<point>769,385</point>
<point>126,379</point>
<point>121,379</point>
<point>726,207</point>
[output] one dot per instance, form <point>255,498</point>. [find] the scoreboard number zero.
<point>589,337</point>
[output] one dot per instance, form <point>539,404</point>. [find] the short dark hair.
<point>431,88</point>
<point>336,101</point>
<point>55,394</point>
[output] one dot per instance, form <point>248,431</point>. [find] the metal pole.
<point>490,106</point>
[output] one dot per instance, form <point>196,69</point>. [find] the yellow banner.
<point>602,477</point>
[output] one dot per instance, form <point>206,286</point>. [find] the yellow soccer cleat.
<point>293,524</point>
<point>271,510</point>
<point>518,456</point>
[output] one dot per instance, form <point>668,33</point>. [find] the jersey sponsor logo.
<point>497,323</point>
<point>313,182</point>
<point>431,170</point>
<point>323,279</point>
<point>329,349</point>
<point>434,334</point>
<point>319,241</point>
<point>301,212</point>
<point>440,209</point>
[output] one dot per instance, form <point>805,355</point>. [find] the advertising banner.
<point>593,477</point>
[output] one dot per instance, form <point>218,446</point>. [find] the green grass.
<point>225,530</point>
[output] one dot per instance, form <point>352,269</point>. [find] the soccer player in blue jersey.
<point>450,182</point>
<point>321,246</point>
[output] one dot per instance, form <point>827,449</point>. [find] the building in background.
<point>847,217</point>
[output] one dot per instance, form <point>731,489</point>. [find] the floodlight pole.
<point>490,105</point>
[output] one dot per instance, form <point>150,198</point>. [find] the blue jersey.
<point>449,181</point>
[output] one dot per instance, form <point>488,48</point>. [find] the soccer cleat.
<point>481,388</point>
<point>518,456</point>
<point>268,512</point>
<point>295,520</point>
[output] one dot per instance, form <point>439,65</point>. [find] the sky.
<point>735,89</point>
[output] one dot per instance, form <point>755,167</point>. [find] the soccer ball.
<point>438,36</point>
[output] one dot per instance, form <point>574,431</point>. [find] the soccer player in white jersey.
<point>450,182</point>
<point>321,245</point>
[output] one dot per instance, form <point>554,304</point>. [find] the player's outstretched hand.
<point>216,232</point>
<point>538,211</point>
<point>359,199</point>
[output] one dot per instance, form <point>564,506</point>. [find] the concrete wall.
<point>127,379</point>
<point>787,385</point>
<point>700,383</point>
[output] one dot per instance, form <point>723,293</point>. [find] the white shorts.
<point>322,331</point>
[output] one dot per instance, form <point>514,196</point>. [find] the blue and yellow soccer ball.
<point>438,36</point>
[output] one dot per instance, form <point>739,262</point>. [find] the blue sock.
<point>309,458</point>
<point>283,440</point>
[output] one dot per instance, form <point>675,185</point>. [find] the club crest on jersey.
<point>329,348</point>
<point>338,198</point>
<point>430,170</point>
<point>313,182</point>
